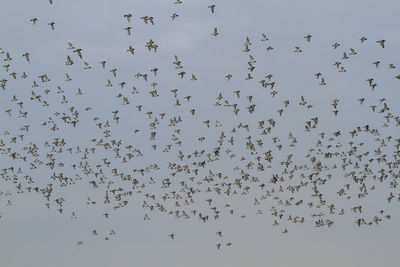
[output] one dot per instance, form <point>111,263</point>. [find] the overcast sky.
<point>33,235</point>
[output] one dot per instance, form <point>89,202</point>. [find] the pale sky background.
<point>32,235</point>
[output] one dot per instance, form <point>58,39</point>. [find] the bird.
<point>8,57</point>
<point>78,51</point>
<point>128,17</point>
<point>131,50</point>
<point>51,24</point>
<point>34,20</point>
<point>174,16</point>
<point>215,32</point>
<point>87,66</point>
<point>128,30</point>
<point>297,49</point>
<point>264,37</point>
<point>182,73</point>
<point>376,63</point>
<point>212,7</point>
<point>145,19</point>
<point>26,55</point>
<point>70,46</point>
<point>382,43</point>
<point>335,45</point>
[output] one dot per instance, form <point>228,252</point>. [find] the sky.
<point>32,234</point>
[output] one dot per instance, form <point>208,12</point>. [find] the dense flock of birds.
<point>251,163</point>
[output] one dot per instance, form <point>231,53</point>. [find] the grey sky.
<point>32,235</point>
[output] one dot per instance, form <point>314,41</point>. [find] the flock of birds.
<point>261,170</point>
